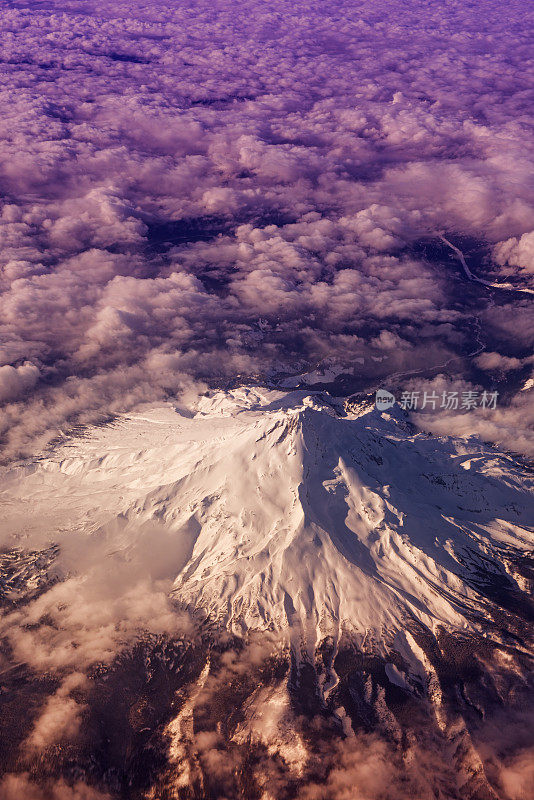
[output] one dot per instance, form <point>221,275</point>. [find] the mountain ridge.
<point>291,511</point>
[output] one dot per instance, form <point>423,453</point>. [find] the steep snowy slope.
<point>290,510</point>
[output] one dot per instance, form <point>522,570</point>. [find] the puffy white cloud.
<point>172,176</point>
<point>16,381</point>
<point>61,716</point>
<point>510,426</point>
<point>191,193</point>
<point>495,361</point>
<point>517,253</point>
<point>18,786</point>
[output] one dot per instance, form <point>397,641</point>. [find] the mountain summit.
<point>357,589</point>
<point>287,510</point>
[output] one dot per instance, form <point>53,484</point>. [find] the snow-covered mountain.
<point>289,510</point>
<point>351,577</point>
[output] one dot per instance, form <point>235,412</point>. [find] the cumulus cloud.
<point>495,361</point>
<point>171,176</point>
<point>61,716</point>
<point>517,776</point>
<point>110,587</point>
<point>509,426</point>
<point>516,253</point>
<point>15,381</point>
<point>193,193</point>
<point>15,787</point>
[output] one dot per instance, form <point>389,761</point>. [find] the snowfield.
<point>278,510</point>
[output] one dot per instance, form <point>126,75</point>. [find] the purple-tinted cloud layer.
<point>190,192</point>
<point>197,191</point>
